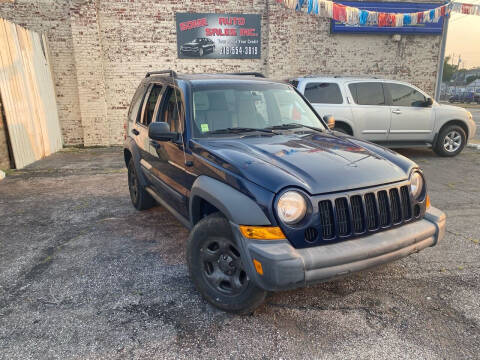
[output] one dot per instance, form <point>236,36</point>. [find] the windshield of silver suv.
<point>243,107</point>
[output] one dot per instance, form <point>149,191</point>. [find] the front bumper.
<point>285,267</point>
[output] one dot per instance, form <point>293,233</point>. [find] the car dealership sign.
<point>218,36</point>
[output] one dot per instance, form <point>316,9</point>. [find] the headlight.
<point>416,184</point>
<point>291,207</point>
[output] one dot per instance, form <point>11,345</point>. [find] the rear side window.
<point>367,93</point>
<point>403,95</point>
<point>323,93</point>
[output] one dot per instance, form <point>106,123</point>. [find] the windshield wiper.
<point>293,126</point>
<point>237,130</point>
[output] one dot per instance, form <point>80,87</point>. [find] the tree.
<point>448,69</point>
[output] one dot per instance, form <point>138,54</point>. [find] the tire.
<point>141,199</point>
<point>217,270</point>
<point>200,52</point>
<point>451,141</point>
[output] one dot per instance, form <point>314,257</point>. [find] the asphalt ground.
<point>85,275</point>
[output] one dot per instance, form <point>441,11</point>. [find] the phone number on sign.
<point>239,50</point>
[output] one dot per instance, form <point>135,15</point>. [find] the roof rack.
<point>172,73</point>
<point>256,74</point>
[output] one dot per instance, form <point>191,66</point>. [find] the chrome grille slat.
<point>341,210</point>
<point>326,219</point>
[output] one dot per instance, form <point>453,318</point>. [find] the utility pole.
<point>446,20</point>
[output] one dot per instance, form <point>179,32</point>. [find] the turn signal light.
<point>262,232</point>
<point>427,201</point>
<point>258,266</point>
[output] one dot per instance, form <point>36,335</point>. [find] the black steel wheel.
<point>217,268</point>
<point>141,199</point>
<point>222,266</point>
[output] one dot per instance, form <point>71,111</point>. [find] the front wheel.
<point>451,141</point>
<point>200,52</point>
<point>217,268</point>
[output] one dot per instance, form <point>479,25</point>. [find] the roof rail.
<point>172,73</point>
<point>256,74</point>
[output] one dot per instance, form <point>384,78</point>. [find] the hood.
<point>317,162</point>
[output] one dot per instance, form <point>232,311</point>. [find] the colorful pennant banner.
<point>355,16</point>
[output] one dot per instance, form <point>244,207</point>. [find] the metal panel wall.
<point>28,95</point>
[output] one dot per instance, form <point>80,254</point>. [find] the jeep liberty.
<point>274,198</point>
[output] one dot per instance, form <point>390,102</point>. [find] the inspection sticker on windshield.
<point>204,127</point>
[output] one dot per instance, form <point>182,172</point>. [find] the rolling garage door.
<point>27,95</point>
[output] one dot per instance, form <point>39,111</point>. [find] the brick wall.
<point>102,49</point>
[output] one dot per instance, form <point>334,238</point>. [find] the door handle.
<point>396,111</point>
<point>135,132</point>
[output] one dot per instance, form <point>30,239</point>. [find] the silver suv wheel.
<point>452,141</point>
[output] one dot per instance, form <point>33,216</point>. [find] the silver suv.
<point>392,113</point>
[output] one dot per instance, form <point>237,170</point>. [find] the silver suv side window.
<point>323,93</point>
<point>368,93</point>
<point>403,95</point>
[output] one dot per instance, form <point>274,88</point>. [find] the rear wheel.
<point>217,268</point>
<point>141,199</point>
<point>451,141</point>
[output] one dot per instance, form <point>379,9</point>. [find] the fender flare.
<point>236,206</point>
<point>131,146</point>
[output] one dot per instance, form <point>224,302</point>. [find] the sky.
<point>463,38</point>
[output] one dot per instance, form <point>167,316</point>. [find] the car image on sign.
<point>199,46</point>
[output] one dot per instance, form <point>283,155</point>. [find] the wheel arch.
<point>130,151</point>
<point>208,194</point>
<point>455,122</point>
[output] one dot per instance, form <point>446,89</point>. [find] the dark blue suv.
<point>274,198</point>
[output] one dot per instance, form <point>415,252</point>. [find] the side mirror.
<point>161,131</point>
<point>330,120</point>
<point>428,102</point>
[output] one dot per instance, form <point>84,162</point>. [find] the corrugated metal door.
<point>28,95</point>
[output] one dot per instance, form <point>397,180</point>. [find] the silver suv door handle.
<point>396,111</point>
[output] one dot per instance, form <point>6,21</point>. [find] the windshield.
<point>228,108</point>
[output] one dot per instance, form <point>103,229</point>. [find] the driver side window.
<point>403,95</point>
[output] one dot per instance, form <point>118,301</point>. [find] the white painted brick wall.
<point>102,49</point>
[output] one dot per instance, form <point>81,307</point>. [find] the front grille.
<point>326,219</point>
<point>352,215</point>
